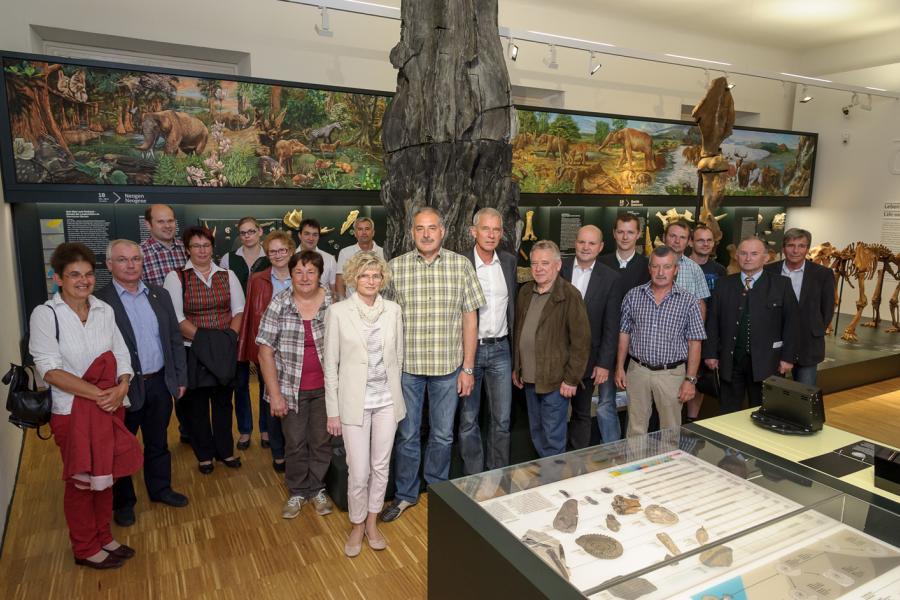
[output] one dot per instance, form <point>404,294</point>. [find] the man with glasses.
<point>364,230</point>
<point>146,318</point>
<point>163,251</point>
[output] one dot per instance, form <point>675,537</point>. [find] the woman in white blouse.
<point>68,333</point>
<point>363,397</point>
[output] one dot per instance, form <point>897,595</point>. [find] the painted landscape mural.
<point>75,124</point>
<point>560,153</point>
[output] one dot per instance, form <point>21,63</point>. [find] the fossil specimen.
<point>632,589</point>
<point>549,549</point>
<point>702,536</point>
<point>720,556</point>
<point>625,506</point>
<point>606,490</point>
<point>591,500</point>
<point>565,493</point>
<point>566,519</point>
<point>660,515</point>
<point>613,523</point>
<point>600,546</point>
<point>669,543</point>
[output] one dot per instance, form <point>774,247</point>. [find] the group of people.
<point>349,347</point>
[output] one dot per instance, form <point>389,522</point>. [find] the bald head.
<point>588,244</point>
<point>752,255</point>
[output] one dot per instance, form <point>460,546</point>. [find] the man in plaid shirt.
<point>661,329</point>
<point>439,294</point>
<point>163,251</point>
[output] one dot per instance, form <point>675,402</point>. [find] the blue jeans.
<point>804,374</point>
<point>442,402</point>
<point>493,366</point>
<point>607,415</point>
<point>243,412</point>
<point>547,414</point>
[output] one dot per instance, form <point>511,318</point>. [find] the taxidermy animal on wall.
<point>181,131</point>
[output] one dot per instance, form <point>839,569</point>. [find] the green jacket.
<point>563,338</point>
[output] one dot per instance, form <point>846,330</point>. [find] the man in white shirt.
<point>601,290</point>
<point>310,231</point>
<point>364,230</point>
<point>634,268</point>
<point>496,271</point>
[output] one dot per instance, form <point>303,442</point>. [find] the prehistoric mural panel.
<point>568,153</point>
<point>74,124</point>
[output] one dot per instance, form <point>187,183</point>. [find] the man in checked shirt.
<point>439,294</point>
<point>163,251</point>
<point>661,328</point>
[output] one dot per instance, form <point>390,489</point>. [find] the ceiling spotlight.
<point>550,59</point>
<point>324,30</point>
<point>512,49</point>
<point>804,96</point>
<point>867,105</point>
<point>594,66</point>
<point>731,86</point>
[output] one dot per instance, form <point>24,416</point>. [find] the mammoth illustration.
<point>180,130</point>
<point>632,140</point>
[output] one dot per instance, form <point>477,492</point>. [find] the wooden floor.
<point>231,542</point>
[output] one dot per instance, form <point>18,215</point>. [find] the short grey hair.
<point>123,242</point>
<point>662,251</point>
<point>548,245</point>
<point>795,233</point>
<point>487,211</point>
<point>427,209</point>
<point>364,220</point>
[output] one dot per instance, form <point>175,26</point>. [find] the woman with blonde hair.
<point>363,397</point>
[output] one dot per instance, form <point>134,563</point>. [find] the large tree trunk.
<point>447,130</point>
<point>31,107</point>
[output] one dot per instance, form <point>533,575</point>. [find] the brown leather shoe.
<point>110,562</point>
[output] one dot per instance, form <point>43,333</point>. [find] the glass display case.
<point>674,514</point>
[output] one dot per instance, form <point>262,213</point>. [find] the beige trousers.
<point>368,449</point>
<point>644,388</point>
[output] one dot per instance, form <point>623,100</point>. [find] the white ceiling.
<point>787,24</point>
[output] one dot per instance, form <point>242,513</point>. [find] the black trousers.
<point>153,421</point>
<point>208,442</point>
<point>740,386</point>
<point>579,431</point>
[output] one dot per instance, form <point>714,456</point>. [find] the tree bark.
<point>447,130</point>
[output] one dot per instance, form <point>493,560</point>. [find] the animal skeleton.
<point>529,235</point>
<point>349,221</point>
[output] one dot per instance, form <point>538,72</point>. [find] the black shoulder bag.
<point>29,407</point>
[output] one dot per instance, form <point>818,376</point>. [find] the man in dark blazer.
<point>496,272</point>
<point>146,318</point>
<point>750,328</point>
<point>633,267</point>
<point>601,290</point>
<point>813,286</point>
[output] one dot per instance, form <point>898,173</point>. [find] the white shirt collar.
<point>188,265</point>
<point>589,269</point>
<point>240,251</point>
<point>786,270</point>
<point>479,262</point>
<point>622,259</point>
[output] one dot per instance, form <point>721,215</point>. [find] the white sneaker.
<point>323,503</point>
<point>292,507</point>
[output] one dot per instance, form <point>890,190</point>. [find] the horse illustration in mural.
<point>632,140</point>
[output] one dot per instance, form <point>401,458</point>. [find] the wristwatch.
<point>691,379</point>
<point>468,371</point>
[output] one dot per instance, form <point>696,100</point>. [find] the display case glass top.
<point>675,514</point>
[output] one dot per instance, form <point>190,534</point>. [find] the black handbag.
<point>28,406</point>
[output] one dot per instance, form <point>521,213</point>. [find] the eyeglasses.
<point>206,246</point>
<point>247,232</point>
<point>279,252</point>
<point>371,276</point>
<point>134,260</point>
<point>77,275</point>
